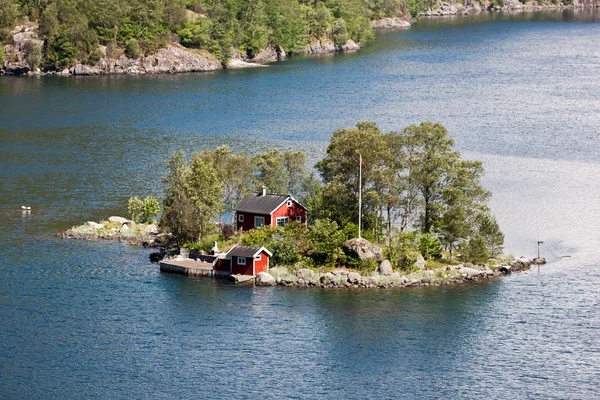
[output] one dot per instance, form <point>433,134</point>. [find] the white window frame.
<point>284,220</point>
<point>241,260</point>
<point>258,257</point>
<point>240,217</point>
<point>256,225</point>
<point>289,203</point>
<point>298,218</point>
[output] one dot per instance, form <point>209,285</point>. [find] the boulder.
<point>95,225</point>
<point>470,272</point>
<point>320,46</point>
<point>526,261</point>
<point>363,249</point>
<point>327,278</point>
<point>81,69</point>
<point>420,263</point>
<point>354,277</point>
<point>385,268</point>
<point>350,46</point>
<point>124,228</point>
<point>539,261</point>
<point>117,220</point>
<point>151,230</point>
<point>505,269</point>
<point>339,272</point>
<point>390,23</point>
<point>305,273</point>
<point>265,279</point>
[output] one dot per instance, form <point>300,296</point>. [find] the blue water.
<point>97,320</point>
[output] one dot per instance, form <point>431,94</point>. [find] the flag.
<point>362,162</point>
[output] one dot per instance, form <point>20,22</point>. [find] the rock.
<point>176,58</point>
<point>420,263</point>
<point>265,279</point>
<point>350,46</point>
<point>117,220</point>
<point>124,228</point>
<point>320,46</point>
<point>95,225</point>
<point>269,54</point>
<point>237,64</point>
<point>362,249</point>
<point>327,278</point>
<point>241,278</point>
<point>354,277</point>
<point>81,69</point>
<point>151,230</point>
<point>300,282</point>
<point>505,269</point>
<point>339,272</point>
<point>385,268</point>
<point>390,23</point>
<point>526,261</point>
<point>305,273</point>
<point>470,272</point>
<point>539,261</point>
<point>427,276</point>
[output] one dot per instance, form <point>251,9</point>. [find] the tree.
<point>431,158</point>
<point>8,16</point>
<point>340,172</point>
<point>204,189</point>
<point>270,171</point>
<point>294,163</point>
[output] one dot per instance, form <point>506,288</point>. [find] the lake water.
<point>86,319</point>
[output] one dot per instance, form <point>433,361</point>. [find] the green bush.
<point>403,251</point>
<point>33,54</point>
<point>132,48</point>
<point>284,253</point>
<point>1,54</point>
<point>429,246</point>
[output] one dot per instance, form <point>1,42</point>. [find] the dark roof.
<point>258,204</point>
<point>243,251</point>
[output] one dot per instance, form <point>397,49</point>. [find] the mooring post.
<point>538,260</point>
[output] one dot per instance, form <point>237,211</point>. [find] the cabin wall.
<point>249,220</point>
<point>261,265</point>
<point>241,269</point>
<point>292,212</point>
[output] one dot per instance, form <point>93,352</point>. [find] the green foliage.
<point>429,246</point>
<point>33,54</point>
<point>284,253</point>
<point>1,54</point>
<point>403,251</point>
<point>132,48</point>
<point>9,13</point>
<point>325,240</point>
<point>249,25</point>
<point>143,210</point>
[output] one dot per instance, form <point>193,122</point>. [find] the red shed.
<point>259,209</point>
<point>246,260</point>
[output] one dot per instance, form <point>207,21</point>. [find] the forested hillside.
<point>74,29</point>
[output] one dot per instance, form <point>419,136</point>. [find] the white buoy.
<point>23,208</point>
<point>28,208</point>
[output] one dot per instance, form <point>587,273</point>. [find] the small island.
<point>393,209</point>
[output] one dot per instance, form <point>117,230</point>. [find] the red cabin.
<point>260,209</point>
<point>244,260</point>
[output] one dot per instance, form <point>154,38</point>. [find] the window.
<point>259,221</point>
<point>241,217</point>
<point>241,260</point>
<point>289,203</point>
<point>281,221</point>
<point>259,257</point>
<point>299,218</point>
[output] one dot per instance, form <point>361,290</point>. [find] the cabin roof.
<point>258,204</point>
<point>247,251</point>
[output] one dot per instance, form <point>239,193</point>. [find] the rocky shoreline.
<point>384,277</point>
<point>119,229</point>
<point>449,8</point>
<point>173,58</point>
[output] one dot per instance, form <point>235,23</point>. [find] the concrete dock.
<point>191,267</point>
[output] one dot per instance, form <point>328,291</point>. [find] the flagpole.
<point>360,196</point>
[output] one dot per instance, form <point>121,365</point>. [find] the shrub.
<point>403,251</point>
<point>284,253</point>
<point>132,48</point>
<point>429,246</point>
<point>1,54</point>
<point>33,54</point>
